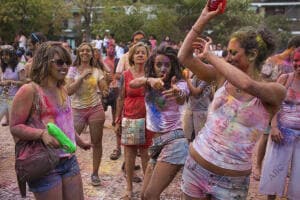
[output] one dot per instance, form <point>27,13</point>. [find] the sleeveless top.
<point>10,91</point>
<point>87,94</point>
<point>289,114</point>
<point>134,101</point>
<point>44,110</point>
<point>164,115</point>
<point>231,131</point>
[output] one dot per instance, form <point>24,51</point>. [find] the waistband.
<point>168,137</point>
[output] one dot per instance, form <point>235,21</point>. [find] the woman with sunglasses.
<point>84,80</point>
<point>45,100</point>
<point>219,162</point>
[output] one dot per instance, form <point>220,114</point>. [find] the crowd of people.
<point>192,107</point>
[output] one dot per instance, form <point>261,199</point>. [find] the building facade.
<point>289,9</point>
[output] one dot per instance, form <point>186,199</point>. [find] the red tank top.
<point>134,103</point>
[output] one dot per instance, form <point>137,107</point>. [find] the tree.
<point>280,28</point>
<point>86,9</point>
<point>46,16</point>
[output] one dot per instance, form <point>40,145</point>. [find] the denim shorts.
<point>198,182</point>
<point>171,147</point>
<point>67,167</point>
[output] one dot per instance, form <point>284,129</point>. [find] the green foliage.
<point>32,15</point>
<point>158,17</point>
<point>237,15</point>
<point>281,29</point>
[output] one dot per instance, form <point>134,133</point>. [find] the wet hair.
<point>77,61</point>
<point>42,61</point>
<point>12,61</point>
<point>37,37</point>
<point>294,42</point>
<point>139,32</point>
<point>251,39</point>
<point>133,49</point>
<point>171,53</point>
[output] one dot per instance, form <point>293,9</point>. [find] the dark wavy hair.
<point>42,61</point>
<point>261,40</point>
<point>171,53</point>
<point>12,61</point>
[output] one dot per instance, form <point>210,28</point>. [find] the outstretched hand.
<point>174,91</point>
<point>157,83</point>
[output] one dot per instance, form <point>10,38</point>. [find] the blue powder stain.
<point>155,103</point>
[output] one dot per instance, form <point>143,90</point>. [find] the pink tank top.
<point>44,111</point>
<point>231,131</point>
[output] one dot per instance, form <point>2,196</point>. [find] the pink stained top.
<point>231,131</point>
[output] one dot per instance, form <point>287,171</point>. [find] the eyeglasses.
<point>232,52</point>
<point>60,62</point>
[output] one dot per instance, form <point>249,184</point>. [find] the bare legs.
<point>157,178</point>
<point>96,131</point>
<point>69,189</point>
<point>261,150</point>
<point>130,156</point>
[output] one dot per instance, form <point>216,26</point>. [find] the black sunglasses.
<point>60,62</point>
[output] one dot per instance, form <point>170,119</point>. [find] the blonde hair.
<point>133,49</point>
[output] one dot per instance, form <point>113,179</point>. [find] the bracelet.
<point>195,30</point>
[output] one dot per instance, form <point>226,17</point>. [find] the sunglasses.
<point>60,62</point>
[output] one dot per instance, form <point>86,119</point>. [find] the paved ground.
<point>113,182</point>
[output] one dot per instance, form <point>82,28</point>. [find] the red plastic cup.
<point>213,5</point>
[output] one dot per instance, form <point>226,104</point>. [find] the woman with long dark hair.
<point>165,93</point>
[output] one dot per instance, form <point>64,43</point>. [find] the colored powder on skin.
<point>92,81</point>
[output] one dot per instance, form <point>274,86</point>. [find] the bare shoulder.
<point>26,90</point>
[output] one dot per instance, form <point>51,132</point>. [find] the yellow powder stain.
<point>92,81</point>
